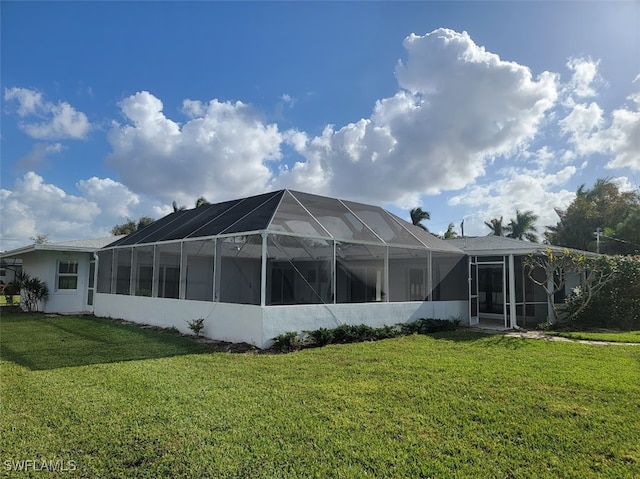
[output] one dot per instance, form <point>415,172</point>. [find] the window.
<point>67,275</point>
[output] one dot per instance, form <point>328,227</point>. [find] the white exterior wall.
<point>281,319</point>
<point>223,321</point>
<point>258,326</point>
<point>44,264</point>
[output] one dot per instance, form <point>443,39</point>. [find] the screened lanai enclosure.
<point>306,259</point>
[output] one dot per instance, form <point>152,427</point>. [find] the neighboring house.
<point>67,268</point>
<point>257,267</point>
<point>496,268</point>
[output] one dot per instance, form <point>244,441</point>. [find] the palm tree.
<point>177,208</point>
<point>202,201</point>
<point>418,215</point>
<point>523,226</point>
<point>451,232</point>
<point>496,227</point>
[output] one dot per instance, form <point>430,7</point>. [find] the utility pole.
<point>598,233</point>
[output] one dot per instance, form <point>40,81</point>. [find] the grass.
<point>15,299</point>
<point>121,401</point>
<point>615,337</point>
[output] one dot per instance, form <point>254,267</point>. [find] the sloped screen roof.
<point>291,212</point>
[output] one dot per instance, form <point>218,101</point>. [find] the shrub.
<point>429,325</point>
<point>287,342</point>
<point>388,332</point>
<point>346,333</point>
<point>617,304</point>
<point>321,337</point>
<point>32,290</point>
<point>196,325</point>
<point>10,291</point>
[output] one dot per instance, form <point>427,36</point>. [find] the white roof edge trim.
<point>47,247</point>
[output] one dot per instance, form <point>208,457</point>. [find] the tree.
<point>202,201</point>
<point>617,304</point>
<point>593,272</point>
<point>40,238</point>
<point>177,208</point>
<point>451,232</point>
<point>131,226</point>
<point>523,225</point>
<point>604,206</point>
<point>418,215</point>
<point>496,227</point>
<point>626,234</point>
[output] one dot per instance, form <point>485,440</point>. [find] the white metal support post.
<point>512,293</point>
<point>263,271</point>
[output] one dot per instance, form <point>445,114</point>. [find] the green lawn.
<point>621,337</point>
<point>121,401</point>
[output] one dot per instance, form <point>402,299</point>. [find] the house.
<point>67,268</point>
<point>256,267</point>
<point>496,269</point>
<point>260,266</point>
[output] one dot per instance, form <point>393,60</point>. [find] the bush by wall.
<point>345,333</point>
<point>617,304</point>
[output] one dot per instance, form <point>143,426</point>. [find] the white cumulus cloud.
<point>222,151</point>
<point>589,131</point>
<point>517,189</point>
<point>584,78</point>
<point>58,121</point>
<point>34,207</point>
<point>458,107</point>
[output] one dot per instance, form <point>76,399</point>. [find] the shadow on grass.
<point>41,342</point>
<point>488,339</point>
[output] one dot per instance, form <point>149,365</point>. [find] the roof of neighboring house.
<point>82,245</point>
<point>501,245</point>
<point>293,213</point>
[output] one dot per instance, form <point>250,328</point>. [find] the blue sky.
<point>112,110</point>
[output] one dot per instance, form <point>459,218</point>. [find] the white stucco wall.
<point>223,321</point>
<point>281,319</point>
<point>258,326</point>
<point>44,264</point>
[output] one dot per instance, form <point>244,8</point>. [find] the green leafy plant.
<point>287,342</point>
<point>617,303</point>
<point>320,337</point>
<point>429,325</point>
<point>10,291</point>
<point>196,325</point>
<point>33,290</point>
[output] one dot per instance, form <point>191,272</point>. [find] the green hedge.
<point>345,333</point>
<point>617,304</point>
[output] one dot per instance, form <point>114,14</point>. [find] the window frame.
<point>66,275</point>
